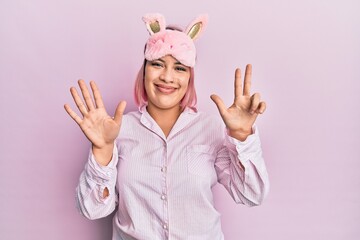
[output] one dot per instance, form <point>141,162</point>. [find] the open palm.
<point>97,125</point>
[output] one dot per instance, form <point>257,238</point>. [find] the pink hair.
<point>189,99</point>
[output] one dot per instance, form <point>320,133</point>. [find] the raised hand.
<point>96,124</point>
<point>241,115</point>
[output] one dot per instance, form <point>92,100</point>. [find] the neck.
<point>165,118</point>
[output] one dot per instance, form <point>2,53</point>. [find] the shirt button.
<point>163,197</point>
<point>163,169</point>
<point>165,226</point>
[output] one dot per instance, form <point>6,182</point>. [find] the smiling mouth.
<point>165,89</point>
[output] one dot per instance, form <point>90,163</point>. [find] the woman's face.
<point>166,82</point>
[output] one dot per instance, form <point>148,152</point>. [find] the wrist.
<point>240,135</point>
<point>103,155</point>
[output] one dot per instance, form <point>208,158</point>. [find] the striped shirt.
<point>162,186</point>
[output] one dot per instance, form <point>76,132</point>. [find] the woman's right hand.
<point>96,124</point>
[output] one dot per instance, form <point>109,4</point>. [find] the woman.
<point>160,168</point>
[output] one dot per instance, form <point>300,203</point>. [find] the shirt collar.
<point>184,119</point>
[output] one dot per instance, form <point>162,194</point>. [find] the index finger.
<point>97,96</point>
<point>247,80</point>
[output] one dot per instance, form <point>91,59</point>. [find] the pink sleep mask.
<point>178,44</point>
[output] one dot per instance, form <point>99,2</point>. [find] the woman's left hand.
<point>241,115</point>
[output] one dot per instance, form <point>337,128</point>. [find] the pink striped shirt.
<point>162,186</point>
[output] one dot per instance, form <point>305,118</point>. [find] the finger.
<point>237,84</point>
<point>255,100</point>
<point>78,101</point>
<point>262,107</point>
<point>219,103</point>
<point>119,112</point>
<point>86,94</point>
<point>247,80</point>
<point>97,96</point>
<point>72,114</point>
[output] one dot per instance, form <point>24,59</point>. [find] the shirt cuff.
<point>244,149</point>
<point>101,173</point>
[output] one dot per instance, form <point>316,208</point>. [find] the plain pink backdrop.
<point>306,65</point>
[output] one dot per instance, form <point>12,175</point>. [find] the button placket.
<point>163,195</point>
<point>165,226</point>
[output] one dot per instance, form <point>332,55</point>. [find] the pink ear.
<point>155,22</point>
<point>197,26</point>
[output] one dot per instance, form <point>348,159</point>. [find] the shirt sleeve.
<point>241,169</point>
<point>93,180</point>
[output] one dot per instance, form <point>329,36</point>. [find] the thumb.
<point>219,103</point>
<point>119,112</point>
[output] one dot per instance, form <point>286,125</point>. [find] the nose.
<point>167,75</point>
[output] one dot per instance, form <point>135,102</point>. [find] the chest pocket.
<point>200,160</point>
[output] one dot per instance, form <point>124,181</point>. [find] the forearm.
<point>96,195</point>
<point>90,202</point>
<point>244,175</point>
<point>248,154</point>
<point>249,178</point>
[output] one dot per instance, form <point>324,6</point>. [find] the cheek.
<point>149,74</point>
<point>148,77</point>
<point>147,86</point>
<point>185,83</point>
<point>186,87</point>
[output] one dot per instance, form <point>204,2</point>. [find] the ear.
<point>155,22</point>
<point>197,26</point>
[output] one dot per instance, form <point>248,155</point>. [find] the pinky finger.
<point>72,114</point>
<point>262,107</point>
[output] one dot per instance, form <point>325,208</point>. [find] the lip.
<point>165,88</point>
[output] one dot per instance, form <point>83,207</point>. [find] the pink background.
<point>305,57</point>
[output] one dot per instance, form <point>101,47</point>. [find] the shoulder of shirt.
<point>132,115</point>
<point>210,119</point>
